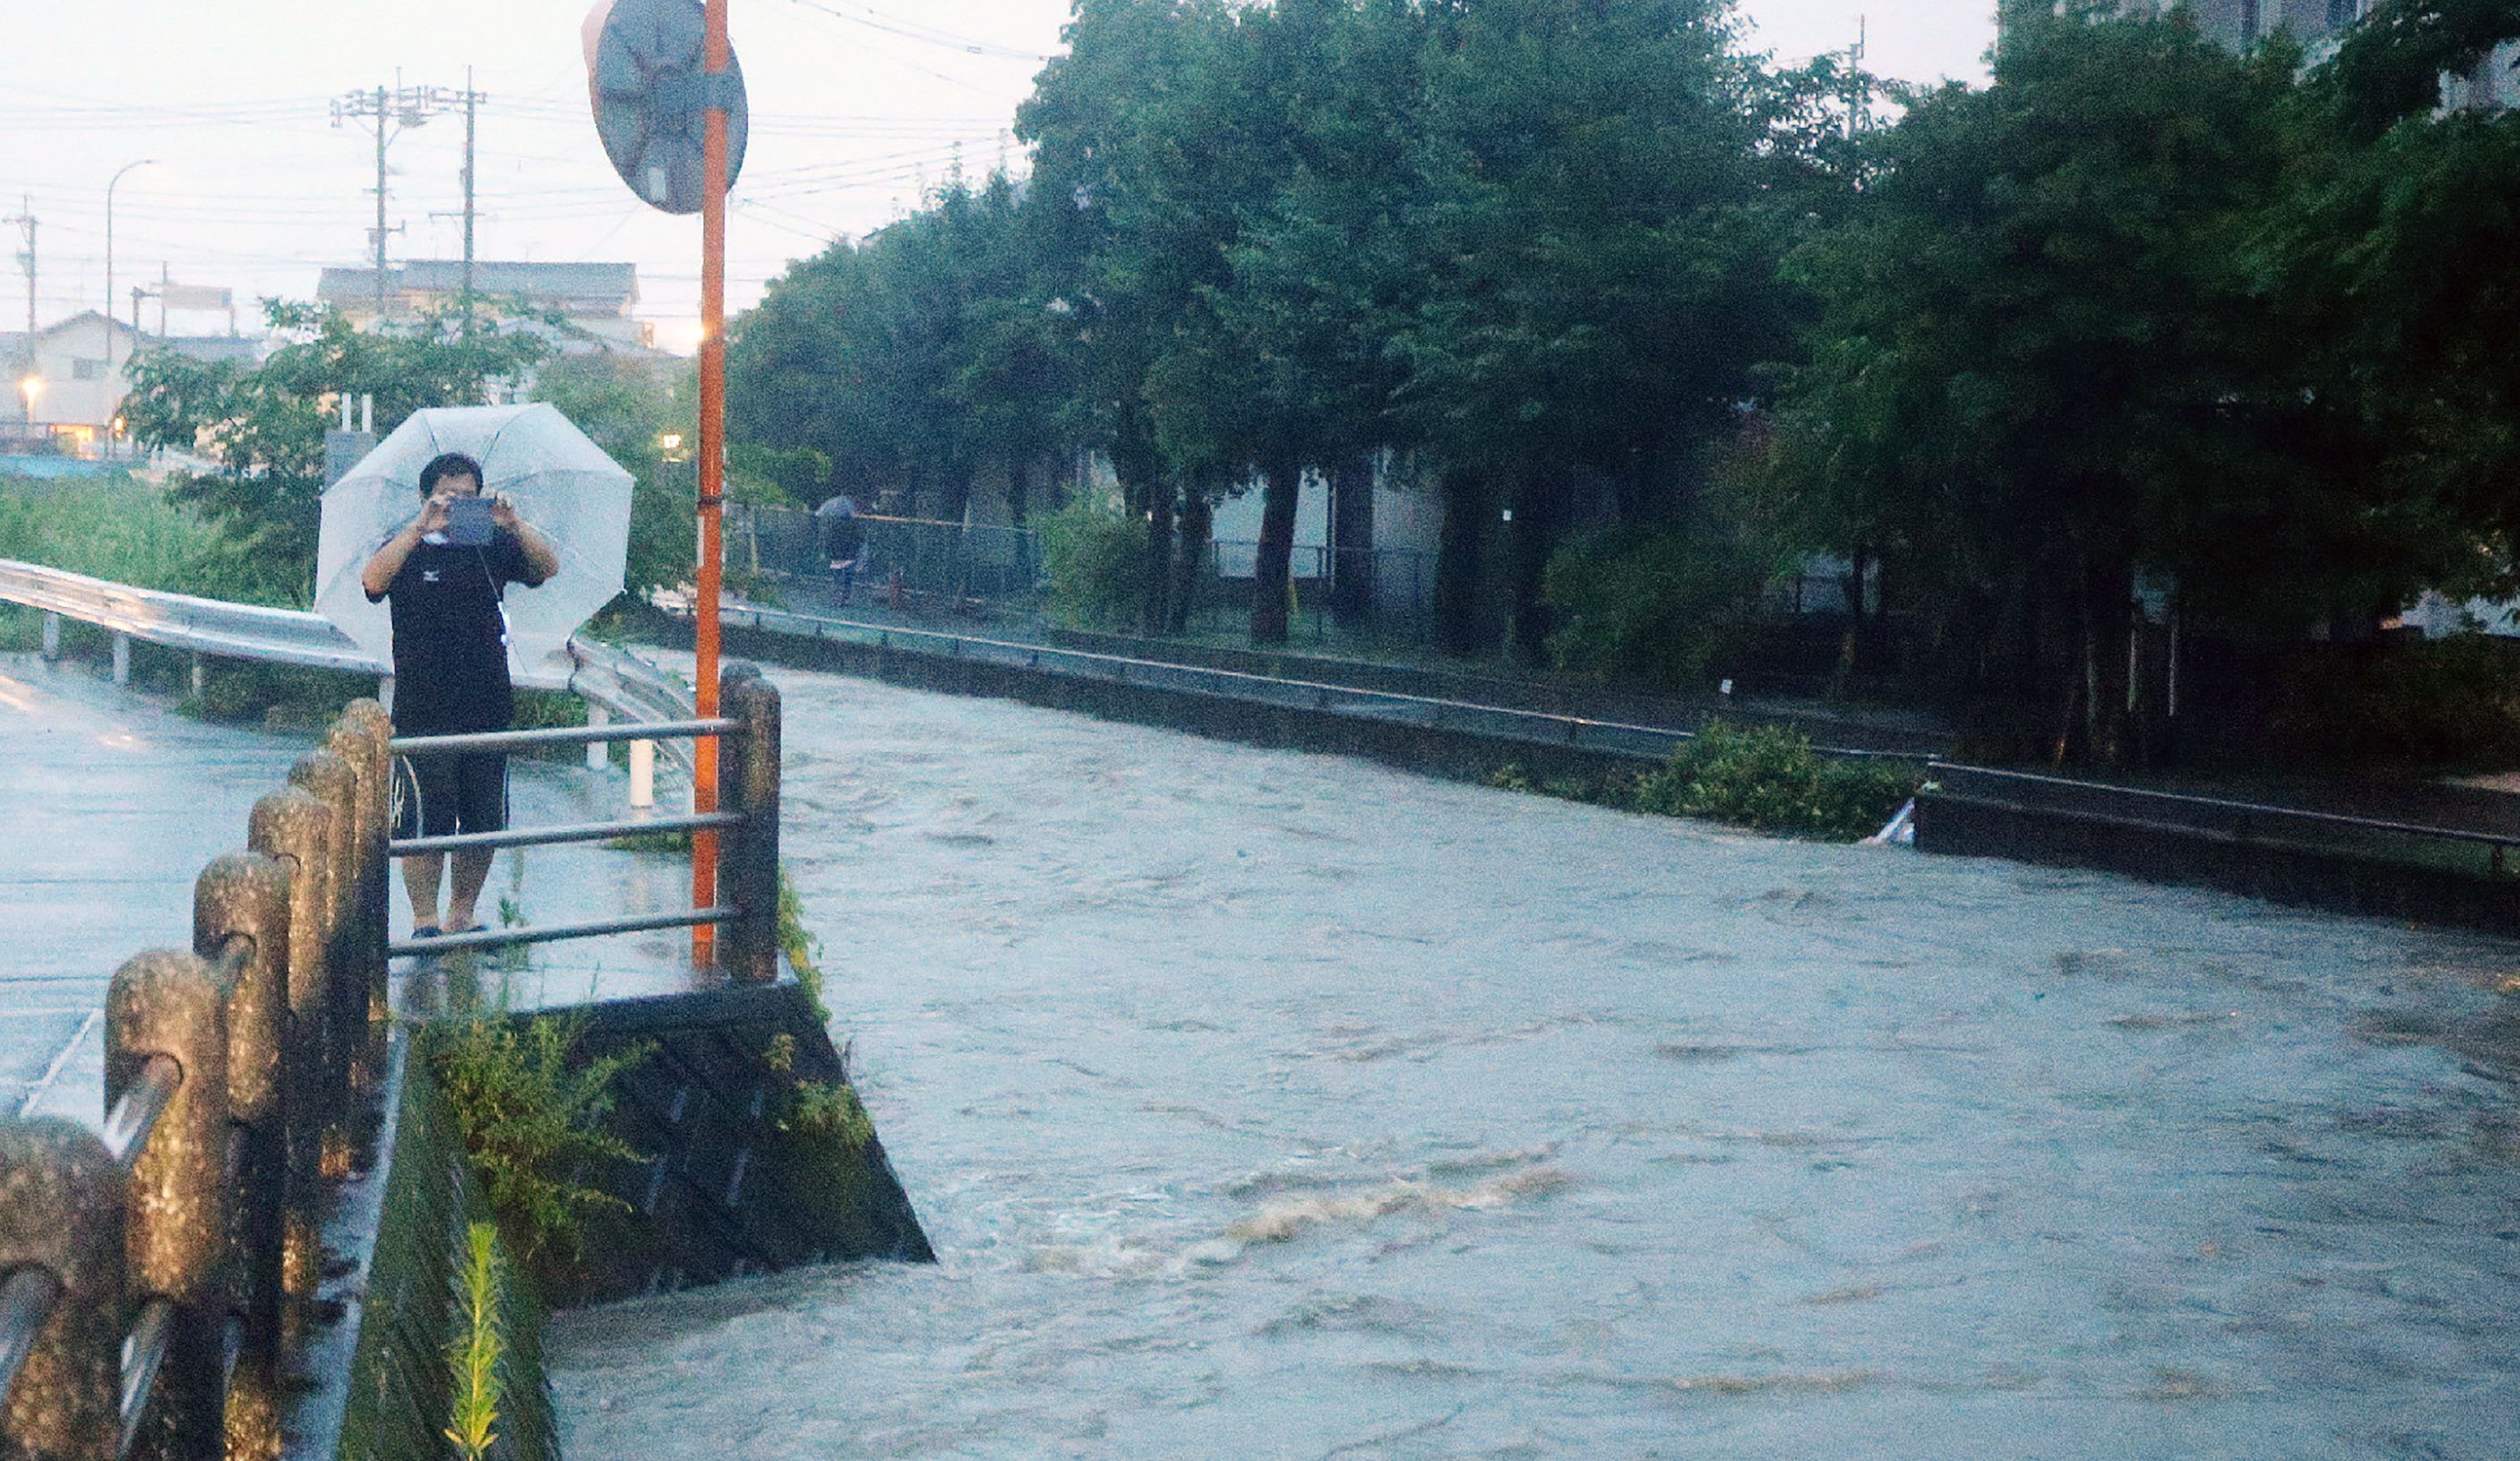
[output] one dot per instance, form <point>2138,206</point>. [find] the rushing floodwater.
<point>1270,1105</point>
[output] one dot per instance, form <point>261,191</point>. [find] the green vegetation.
<point>531,1124</point>
<point>831,1114</point>
<point>2147,312</point>
<point>1095,560</point>
<point>1651,608</point>
<point>804,949</point>
<point>1763,778</point>
<point>473,1354</point>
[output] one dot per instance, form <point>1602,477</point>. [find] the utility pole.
<point>391,112</point>
<point>1858,101</point>
<point>472,111</point>
<point>26,221</point>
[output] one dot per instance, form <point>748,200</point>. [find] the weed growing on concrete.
<point>804,950</point>
<point>473,1355</point>
<point>830,1113</point>
<point>531,1124</point>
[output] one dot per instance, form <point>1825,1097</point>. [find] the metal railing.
<point>614,683</point>
<point>2226,821</point>
<point>746,823</point>
<point>1392,589</point>
<point>1431,712</point>
<point>162,1272</point>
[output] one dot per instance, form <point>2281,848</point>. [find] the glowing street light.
<point>30,388</point>
<point>670,443</point>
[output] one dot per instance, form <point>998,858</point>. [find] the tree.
<point>2043,360</point>
<point>264,426</point>
<point>1600,251</point>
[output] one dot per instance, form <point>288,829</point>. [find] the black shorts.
<point>463,792</point>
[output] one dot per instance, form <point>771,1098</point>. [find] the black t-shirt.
<point>450,648</point>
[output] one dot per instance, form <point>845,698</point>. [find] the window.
<point>87,370</point>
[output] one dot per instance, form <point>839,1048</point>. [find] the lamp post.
<point>109,278</point>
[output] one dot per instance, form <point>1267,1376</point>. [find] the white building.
<point>67,381</point>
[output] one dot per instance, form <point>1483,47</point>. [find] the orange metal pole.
<point>713,478</point>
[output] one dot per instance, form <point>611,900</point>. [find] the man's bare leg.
<point>472,870</point>
<point>420,879</point>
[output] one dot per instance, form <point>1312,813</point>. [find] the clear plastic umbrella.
<point>559,481</point>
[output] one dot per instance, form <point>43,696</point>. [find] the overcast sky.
<point>855,107</point>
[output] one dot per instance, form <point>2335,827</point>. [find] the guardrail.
<point>160,1273</point>
<point>1499,722</point>
<point>2223,820</point>
<point>613,683</point>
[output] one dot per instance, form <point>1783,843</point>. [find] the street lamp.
<point>109,274</point>
<point>30,388</point>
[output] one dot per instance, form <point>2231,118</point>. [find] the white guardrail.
<point>614,683</point>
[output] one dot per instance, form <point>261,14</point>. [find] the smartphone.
<point>468,522</point>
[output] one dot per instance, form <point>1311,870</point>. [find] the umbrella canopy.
<point>559,481</point>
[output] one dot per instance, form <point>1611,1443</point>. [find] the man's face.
<point>457,484</point>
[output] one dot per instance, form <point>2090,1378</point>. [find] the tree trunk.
<point>1467,506</point>
<point>1018,488</point>
<point>1529,539</point>
<point>1159,559</point>
<point>1271,581</point>
<point>2107,588</point>
<point>1351,564</point>
<point>1197,526</point>
<point>1146,491</point>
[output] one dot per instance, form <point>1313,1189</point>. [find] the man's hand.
<point>434,513</point>
<point>502,513</point>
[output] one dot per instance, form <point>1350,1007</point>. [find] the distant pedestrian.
<point>843,541</point>
<point>444,574</point>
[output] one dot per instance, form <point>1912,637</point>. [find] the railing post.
<point>122,659</point>
<point>599,755</point>
<point>169,1003</point>
<point>246,895</point>
<point>642,775</point>
<point>294,828</point>
<point>52,637</point>
<point>361,736</point>
<point>332,782</point>
<point>748,870</point>
<point>62,1212</point>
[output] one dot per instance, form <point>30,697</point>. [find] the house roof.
<point>242,348</point>
<point>86,320</point>
<point>610,288</point>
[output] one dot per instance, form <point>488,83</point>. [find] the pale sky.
<point>857,107</point>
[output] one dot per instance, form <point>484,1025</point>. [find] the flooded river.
<point>1270,1105</point>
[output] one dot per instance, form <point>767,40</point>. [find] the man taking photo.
<point>443,575</point>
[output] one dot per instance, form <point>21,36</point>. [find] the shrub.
<point>531,1122</point>
<point>2436,702</point>
<point>1769,778</point>
<point>132,533</point>
<point>1651,608</point>
<point>1096,560</point>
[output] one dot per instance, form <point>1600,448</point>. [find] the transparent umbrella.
<point>561,483</point>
